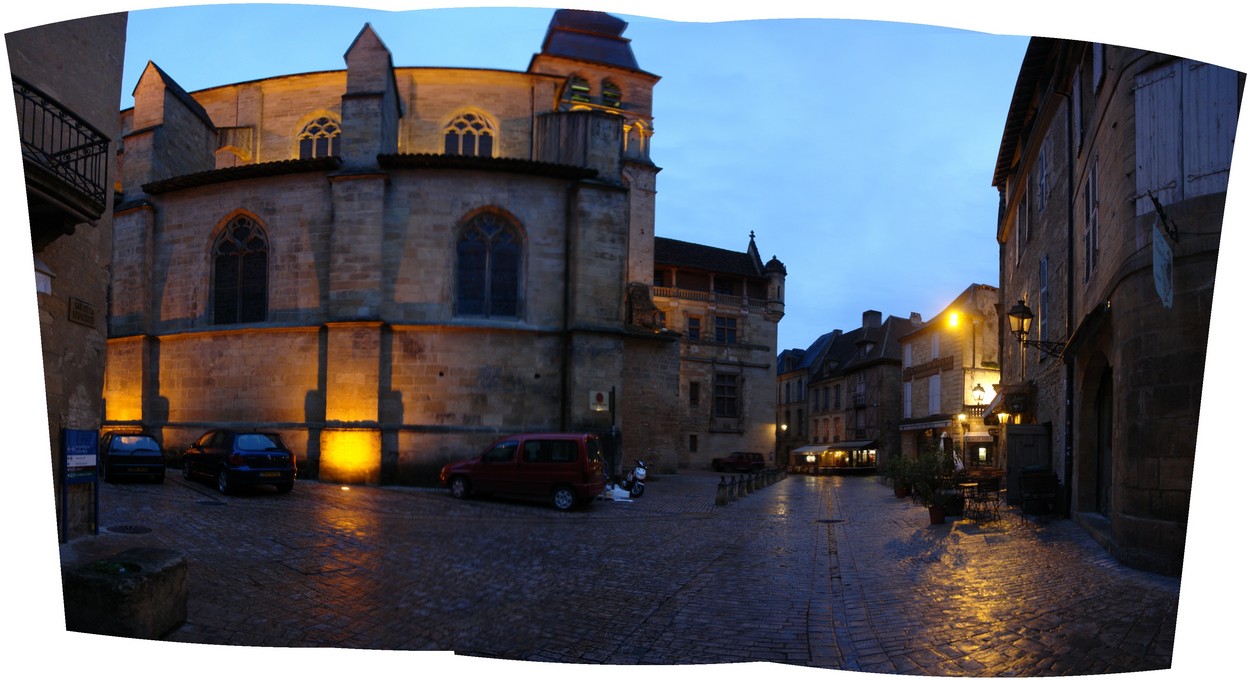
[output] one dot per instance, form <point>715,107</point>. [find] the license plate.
<point>270,474</point>
<point>136,469</point>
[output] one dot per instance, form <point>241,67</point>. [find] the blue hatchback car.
<point>237,459</point>
<point>130,455</point>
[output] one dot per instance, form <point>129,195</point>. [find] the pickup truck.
<point>739,461</point>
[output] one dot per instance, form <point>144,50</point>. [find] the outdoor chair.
<point>983,502</point>
<point>1037,493</point>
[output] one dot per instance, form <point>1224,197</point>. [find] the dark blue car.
<point>129,455</point>
<point>237,459</point>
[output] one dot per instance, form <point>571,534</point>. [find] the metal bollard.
<point>722,492</point>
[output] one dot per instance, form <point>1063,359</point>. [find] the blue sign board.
<point>80,456</point>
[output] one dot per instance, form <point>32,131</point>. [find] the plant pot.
<point>937,514</point>
<point>902,491</point>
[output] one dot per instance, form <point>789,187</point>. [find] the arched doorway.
<point>1102,437</point>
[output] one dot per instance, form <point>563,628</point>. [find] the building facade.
<point>392,266</point>
<point>794,368</point>
<point>724,306</point>
<point>854,397</point>
<point>1112,174</point>
<point>66,84</point>
<point>950,373</point>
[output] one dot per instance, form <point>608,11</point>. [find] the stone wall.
<point>78,64</point>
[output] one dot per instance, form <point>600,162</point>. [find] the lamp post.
<point>1021,319</point>
<point>1002,433</point>
<point>963,434</point>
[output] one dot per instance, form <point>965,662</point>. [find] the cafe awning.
<point>810,449</point>
<point>854,445</point>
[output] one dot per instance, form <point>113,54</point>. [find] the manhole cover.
<point>128,529</point>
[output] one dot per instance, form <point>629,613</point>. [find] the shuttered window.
<point>1186,118</point>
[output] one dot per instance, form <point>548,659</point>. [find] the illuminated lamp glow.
<point>953,319</point>
<point>351,456</point>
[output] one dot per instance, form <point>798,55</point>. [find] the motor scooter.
<point>632,486</point>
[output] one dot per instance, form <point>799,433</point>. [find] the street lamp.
<point>1021,318</point>
<point>963,433</point>
<point>1002,434</point>
<point>978,393</point>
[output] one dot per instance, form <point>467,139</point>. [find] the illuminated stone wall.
<point>362,362</point>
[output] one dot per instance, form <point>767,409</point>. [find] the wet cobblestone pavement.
<point>820,572</point>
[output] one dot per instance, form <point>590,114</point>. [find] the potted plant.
<point>932,483</point>
<point>898,470</point>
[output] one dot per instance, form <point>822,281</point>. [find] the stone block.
<point>139,593</point>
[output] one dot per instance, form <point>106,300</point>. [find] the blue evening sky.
<point>857,140</point>
<point>859,152</point>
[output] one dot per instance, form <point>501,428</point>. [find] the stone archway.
<point>1093,456</point>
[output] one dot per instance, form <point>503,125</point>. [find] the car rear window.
<point>135,443</point>
<point>593,451</point>
<point>258,442</point>
<point>550,451</point>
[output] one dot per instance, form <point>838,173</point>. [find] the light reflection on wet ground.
<point>827,572</point>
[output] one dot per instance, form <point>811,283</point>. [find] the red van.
<point>564,468</point>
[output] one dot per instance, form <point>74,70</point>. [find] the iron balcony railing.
<point>61,143</point>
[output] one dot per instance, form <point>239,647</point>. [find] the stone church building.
<point>392,266</point>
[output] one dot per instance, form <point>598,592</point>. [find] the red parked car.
<point>565,469</point>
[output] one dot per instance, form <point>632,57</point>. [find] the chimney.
<point>872,319</point>
<point>915,318</point>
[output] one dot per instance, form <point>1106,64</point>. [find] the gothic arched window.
<point>319,139</point>
<point>469,134</point>
<point>488,268</point>
<point>240,273</point>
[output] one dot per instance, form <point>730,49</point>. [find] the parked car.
<point>130,455</point>
<point>238,459</point>
<point>565,469</point>
<point>739,461</point>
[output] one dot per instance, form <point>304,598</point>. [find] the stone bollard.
<point>139,593</point>
<point>722,492</point>
<point>743,486</point>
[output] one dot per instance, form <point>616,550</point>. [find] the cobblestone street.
<point>824,572</point>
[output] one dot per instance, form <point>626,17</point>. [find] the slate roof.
<point>674,253</point>
<point>187,100</point>
<point>843,352</point>
<point>805,356</point>
<point>589,36</point>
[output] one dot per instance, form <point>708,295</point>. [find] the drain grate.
<point>128,529</point>
<point>829,521</point>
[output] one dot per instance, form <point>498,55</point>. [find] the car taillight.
<point>236,460</point>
